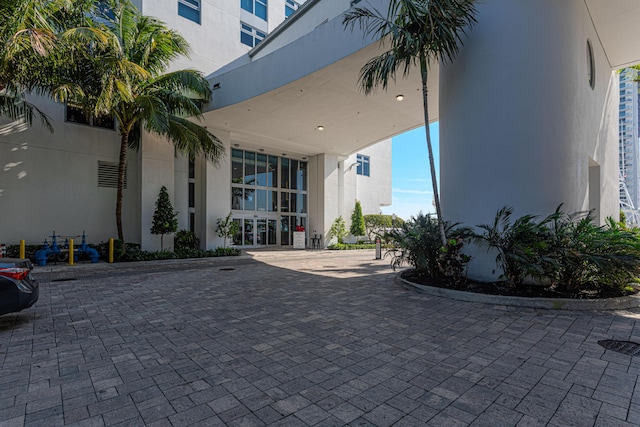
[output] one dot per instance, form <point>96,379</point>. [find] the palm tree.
<point>128,80</point>
<point>415,33</point>
<point>36,39</point>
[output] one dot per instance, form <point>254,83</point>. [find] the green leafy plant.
<point>338,229</point>
<point>135,254</point>
<point>13,251</point>
<point>185,239</point>
<point>226,252</point>
<point>452,263</point>
<point>417,243</point>
<point>567,252</point>
<point>357,222</point>
<point>517,243</point>
<point>351,246</point>
<point>226,228</point>
<point>377,225</point>
<point>580,255</point>
<point>165,219</point>
<point>129,79</point>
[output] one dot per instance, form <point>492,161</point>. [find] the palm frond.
<point>190,82</point>
<point>194,140</point>
<point>411,29</point>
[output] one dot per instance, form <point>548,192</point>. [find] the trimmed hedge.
<point>134,253</point>
<point>351,246</point>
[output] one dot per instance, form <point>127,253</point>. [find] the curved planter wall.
<point>621,303</point>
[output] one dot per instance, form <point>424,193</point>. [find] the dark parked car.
<point>18,288</point>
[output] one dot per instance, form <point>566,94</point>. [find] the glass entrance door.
<point>288,224</point>
<point>256,232</point>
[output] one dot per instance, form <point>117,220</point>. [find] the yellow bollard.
<point>22,250</point>
<point>110,251</point>
<point>71,253</point>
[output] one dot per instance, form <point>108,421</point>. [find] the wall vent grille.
<point>108,175</point>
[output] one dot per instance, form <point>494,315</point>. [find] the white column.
<point>213,194</point>
<point>324,205</point>
<point>520,124</point>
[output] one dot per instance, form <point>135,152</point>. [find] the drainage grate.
<point>67,279</point>
<point>625,347</point>
<point>227,269</point>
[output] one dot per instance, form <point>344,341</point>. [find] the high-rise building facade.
<point>629,154</point>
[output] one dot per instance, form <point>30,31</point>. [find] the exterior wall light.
<point>320,128</point>
<point>399,97</point>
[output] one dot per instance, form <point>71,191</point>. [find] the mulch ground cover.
<point>504,288</point>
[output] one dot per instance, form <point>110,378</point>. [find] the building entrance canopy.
<point>296,81</point>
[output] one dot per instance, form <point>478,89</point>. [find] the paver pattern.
<point>308,338</point>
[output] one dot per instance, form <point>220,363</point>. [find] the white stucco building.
<point>528,118</point>
<point>65,181</point>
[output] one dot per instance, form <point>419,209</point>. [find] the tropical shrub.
<point>518,245</point>
<point>13,251</point>
<point>377,225</point>
<point>135,254</point>
<point>226,252</point>
<point>418,243</point>
<point>227,228</point>
<point>351,246</point>
<point>580,255</point>
<point>185,239</point>
<point>165,219</point>
<point>357,222</point>
<point>338,229</point>
<point>452,263</point>
<point>568,252</point>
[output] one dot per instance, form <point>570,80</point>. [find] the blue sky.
<point>412,188</point>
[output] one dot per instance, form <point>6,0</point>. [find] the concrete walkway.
<point>305,338</point>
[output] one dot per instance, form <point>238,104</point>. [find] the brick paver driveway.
<point>301,338</point>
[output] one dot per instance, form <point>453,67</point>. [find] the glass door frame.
<point>256,234</point>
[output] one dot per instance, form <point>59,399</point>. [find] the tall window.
<point>258,183</point>
<point>257,7</point>
<point>363,165</point>
<point>290,6</point>
<point>189,9</point>
<point>250,36</point>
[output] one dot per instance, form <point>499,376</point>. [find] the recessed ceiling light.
<point>320,128</point>
<point>399,97</point>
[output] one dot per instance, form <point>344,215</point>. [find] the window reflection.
<point>271,185</point>
<point>249,168</point>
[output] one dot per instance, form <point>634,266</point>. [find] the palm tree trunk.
<point>432,167</point>
<point>124,145</point>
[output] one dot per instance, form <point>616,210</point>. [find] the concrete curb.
<point>622,303</point>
